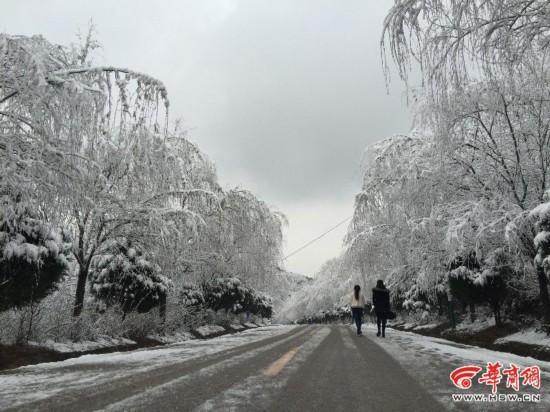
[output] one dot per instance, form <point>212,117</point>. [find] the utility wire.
<point>319,237</point>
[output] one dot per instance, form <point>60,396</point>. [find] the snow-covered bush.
<point>191,295</point>
<point>123,276</point>
<point>33,255</point>
<point>258,304</point>
<point>496,272</point>
<point>230,295</point>
<point>541,214</point>
<point>337,314</point>
<point>542,240</point>
<point>463,281</point>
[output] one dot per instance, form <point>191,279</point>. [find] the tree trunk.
<point>495,305</point>
<point>498,319</point>
<point>472,312</point>
<point>441,303</point>
<point>80,291</point>
<point>544,298</point>
<point>162,310</point>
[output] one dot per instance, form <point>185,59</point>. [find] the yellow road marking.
<point>280,363</point>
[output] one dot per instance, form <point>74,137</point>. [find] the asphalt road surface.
<point>301,368</point>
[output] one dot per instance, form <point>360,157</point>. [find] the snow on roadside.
<point>84,346</point>
<point>408,325</point>
<point>476,326</point>
<point>431,360</point>
<point>530,336</point>
<point>173,338</point>
<point>208,330</point>
<point>427,326</point>
<point>37,382</point>
<point>236,326</point>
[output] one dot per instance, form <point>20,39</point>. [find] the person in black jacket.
<point>381,302</point>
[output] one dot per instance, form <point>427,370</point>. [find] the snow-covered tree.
<point>69,124</point>
<point>483,101</point>
<point>89,147</point>
<point>227,294</point>
<point>419,209</point>
<point>331,287</point>
<point>247,234</point>
<point>33,254</point>
<point>258,304</point>
<point>497,270</point>
<point>53,101</point>
<point>454,41</point>
<point>191,295</point>
<point>542,258</point>
<point>124,276</point>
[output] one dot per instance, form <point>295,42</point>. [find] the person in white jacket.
<point>357,304</point>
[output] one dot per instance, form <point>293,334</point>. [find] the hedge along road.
<point>279,368</point>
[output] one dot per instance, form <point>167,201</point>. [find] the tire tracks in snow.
<point>119,383</point>
<point>184,390</point>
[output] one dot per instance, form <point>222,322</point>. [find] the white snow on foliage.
<point>542,211</point>
<point>541,238</point>
<point>13,245</point>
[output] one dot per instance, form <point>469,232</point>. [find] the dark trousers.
<point>381,319</point>
<point>357,317</point>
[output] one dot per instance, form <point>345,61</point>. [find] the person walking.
<point>381,302</point>
<point>357,304</point>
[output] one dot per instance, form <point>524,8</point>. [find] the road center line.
<point>277,366</point>
<point>280,363</point>
<point>142,400</point>
<point>261,389</point>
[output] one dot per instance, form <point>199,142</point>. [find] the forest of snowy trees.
<point>459,209</point>
<point>113,222</point>
<point>108,212</point>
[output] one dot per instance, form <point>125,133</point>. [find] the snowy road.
<point>283,368</point>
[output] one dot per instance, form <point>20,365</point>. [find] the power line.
<point>319,237</point>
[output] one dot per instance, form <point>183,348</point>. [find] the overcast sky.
<point>283,95</point>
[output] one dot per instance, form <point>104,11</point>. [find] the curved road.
<point>287,368</point>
